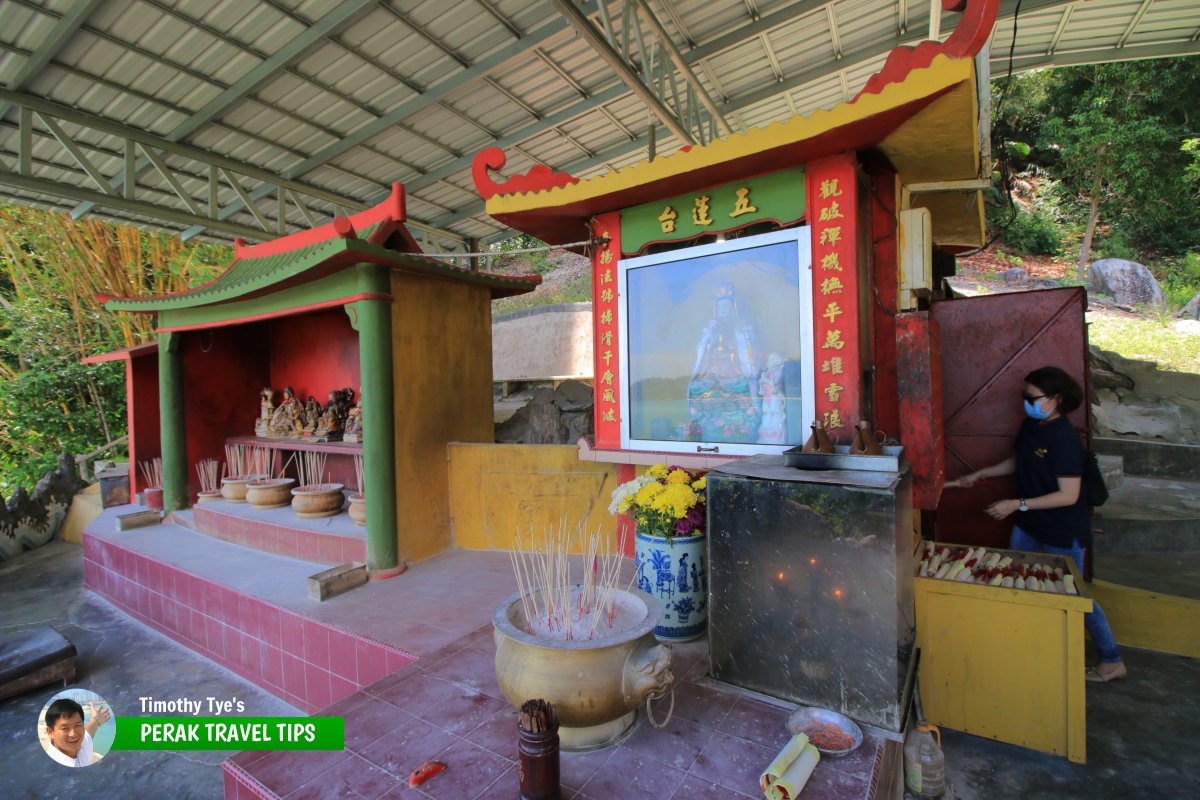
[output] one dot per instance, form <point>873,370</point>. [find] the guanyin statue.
<point>723,400</point>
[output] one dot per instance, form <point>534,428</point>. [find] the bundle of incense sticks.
<point>309,468</point>
<point>537,716</point>
<point>151,473</point>
<point>358,474</point>
<point>243,460</point>
<point>543,572</point>
<point>207,470</point>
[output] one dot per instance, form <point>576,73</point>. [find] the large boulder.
<point>1191,310</point>
<point>1136,398</point>
<point>558,416</point>
<point>1127,282</point>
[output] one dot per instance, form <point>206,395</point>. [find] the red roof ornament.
<point>538,179</point>
<point>978,18</point>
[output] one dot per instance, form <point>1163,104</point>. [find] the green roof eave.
<point>255,276</point>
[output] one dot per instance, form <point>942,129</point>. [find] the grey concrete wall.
<point>542,343</point>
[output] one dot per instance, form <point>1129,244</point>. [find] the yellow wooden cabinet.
<point>1005,663</point>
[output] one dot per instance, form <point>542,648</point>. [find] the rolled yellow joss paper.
<point>785,777</point>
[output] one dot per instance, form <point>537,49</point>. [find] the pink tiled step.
<point>308,663</point>
<point>331,540</point>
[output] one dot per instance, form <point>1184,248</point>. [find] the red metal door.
<point>989,344</point>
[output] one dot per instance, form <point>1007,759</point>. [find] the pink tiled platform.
<point>448,707</point>
<point>306,661</point>
<point>327,540</point>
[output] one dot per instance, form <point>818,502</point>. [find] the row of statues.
<point>340,420</point>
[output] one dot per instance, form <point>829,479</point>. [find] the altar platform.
<point>408,662</point>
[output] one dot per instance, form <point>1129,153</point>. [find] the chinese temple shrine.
<point>349,304</point>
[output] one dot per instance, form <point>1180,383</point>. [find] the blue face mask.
<point>1035,411</point>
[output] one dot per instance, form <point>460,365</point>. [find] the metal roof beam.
<point>1063,21</point>
<point>863,55</point>
<point>64,29</point>
<point>151,210</point>
<point>681,63</point>
<point>1133,23</point>
<point>432,95</point>
<point>1100,55</point>
<point>582,25</point>
<point>737,104</point>
<point>47,108</point>
<point>343,14</point>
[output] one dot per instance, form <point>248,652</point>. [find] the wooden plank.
<point>138,519</point>
<point>336,580</point>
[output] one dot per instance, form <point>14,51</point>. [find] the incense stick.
<point>310,467</point>
<point>206,470</point>
<point>542,568</point>
<point>152,472</point>
<point>358,474</point>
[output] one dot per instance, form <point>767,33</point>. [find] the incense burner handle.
<point>647,671</point>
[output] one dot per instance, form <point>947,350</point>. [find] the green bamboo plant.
<point>52,269</point>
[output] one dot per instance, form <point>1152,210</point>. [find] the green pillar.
<point>373,321</point>
<point>171,422</point>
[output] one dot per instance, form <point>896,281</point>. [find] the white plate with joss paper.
<point>833,734</point>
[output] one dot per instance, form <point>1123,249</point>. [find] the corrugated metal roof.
<point>342,97</point>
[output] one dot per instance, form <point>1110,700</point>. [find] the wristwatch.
<point>1023,506</point>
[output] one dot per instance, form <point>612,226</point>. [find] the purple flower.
<point>695,519</point>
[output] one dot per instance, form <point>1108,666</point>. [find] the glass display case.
<point>716,344</point>
<point>811,585</point>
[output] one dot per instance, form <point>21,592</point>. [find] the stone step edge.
<point>329,549</point>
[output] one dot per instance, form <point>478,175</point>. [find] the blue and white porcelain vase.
<point>675,573</point>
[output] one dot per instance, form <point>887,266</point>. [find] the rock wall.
<point>28,521</point>
<point>1137,399</point>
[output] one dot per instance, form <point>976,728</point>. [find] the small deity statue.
<point>773,428</point>
<point>723,391</point>
<point>286,420</point>
<point>354,426</point>
<point>333,418</point>
<point>312,414</point>
<point>266,407</point>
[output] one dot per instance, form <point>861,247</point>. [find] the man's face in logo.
<point>67,734</point>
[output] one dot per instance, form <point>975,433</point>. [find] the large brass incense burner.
<point>597,684</point>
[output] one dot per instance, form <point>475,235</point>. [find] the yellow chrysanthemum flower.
<point>679,476</point>
<point>658,471</point>
<point>675,500</point>
<point>701,484</point>
<point>646,495</point>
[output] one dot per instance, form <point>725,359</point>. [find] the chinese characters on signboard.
<point>604,305</point>
<point>835,296</point>
<point>778,196</point>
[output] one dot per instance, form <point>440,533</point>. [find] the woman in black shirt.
<point>1053,514</point>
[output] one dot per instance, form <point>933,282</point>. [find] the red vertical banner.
<point>832,208</point>
<point>605,330</point>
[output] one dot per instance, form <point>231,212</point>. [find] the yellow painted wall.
<point>496,489</point>
<point>1155,621</point>
<point>442,371</point>
<point>85,507</point>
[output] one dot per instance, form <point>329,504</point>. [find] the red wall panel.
<point>223,371</point>
<point>314,354</point>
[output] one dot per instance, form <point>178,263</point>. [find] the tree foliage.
<point>51,271</point>
<point>1116,136</point>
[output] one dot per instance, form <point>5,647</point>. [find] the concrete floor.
<point>119,659</point>
<point>1141,731</point>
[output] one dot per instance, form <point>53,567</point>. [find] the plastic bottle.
<point>924,762</point>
